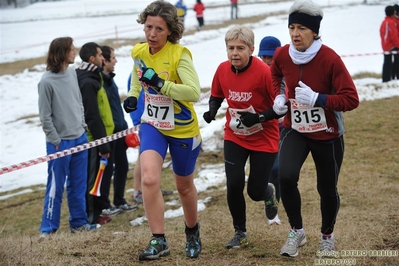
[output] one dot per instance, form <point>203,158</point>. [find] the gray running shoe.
<point>296,238</point>
<point>327,245</point>
<point>271,204</point>
<point>127,207</point>
<point>158,247</point>
<point>239,239</point>
<point>193,244</point>
<point>111,211</point>
<point>138,199</point>
<point>167,192</point>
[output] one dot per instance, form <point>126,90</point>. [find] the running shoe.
<point>271,204</point>
<point>296,239</point>
<point>112,211</point>
<point>275,221</point>
<point>158,247</point>
<point>193,244</point>
<point>239,239</point>
<point>327,245</point>
<point>127,207</point>
<point>85,227</point>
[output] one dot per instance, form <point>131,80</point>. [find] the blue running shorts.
<point>184,152</point>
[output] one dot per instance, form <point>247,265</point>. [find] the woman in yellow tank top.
<point>165,71</point>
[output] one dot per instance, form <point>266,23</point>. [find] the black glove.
<point>270,114</point>
<point>151,78</point>
<point>249,119</point>
<point>130,104</point>
<point>209,115</point>
<point>214,105</point>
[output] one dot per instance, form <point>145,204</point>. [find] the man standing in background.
<point>62,116</point>
<point>121,166</point>
<point>100,124</point>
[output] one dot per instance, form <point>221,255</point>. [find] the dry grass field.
<point>368,219</point>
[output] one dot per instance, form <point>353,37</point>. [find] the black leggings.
<point>390,70</point>
<point>261,164</point>
<point>294,149</point>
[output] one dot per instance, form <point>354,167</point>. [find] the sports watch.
<point>262,118</point>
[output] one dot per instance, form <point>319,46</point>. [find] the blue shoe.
<point>193,244</point>
<point>158,247</point>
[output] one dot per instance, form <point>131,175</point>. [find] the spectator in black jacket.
<point>98,117</point>
<point>118,153</point>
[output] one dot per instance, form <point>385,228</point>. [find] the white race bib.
<point>159,111</point>
<point>306,119</point>
<point>238,127</point>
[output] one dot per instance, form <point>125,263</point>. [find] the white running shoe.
<point>275,221</point>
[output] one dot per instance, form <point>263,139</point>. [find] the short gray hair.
<point>306,7</point>
<point>241,33</point>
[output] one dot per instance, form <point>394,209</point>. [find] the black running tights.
<point>327,156</point>
<point>261,164</point>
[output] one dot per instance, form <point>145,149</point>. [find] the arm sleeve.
<point>92,115</point>
<point>135,86</point>
<point>271,114</point>
<point>189,90</point>
<point>45,112</point>
<point>283,87</point>
<point>393,33</point>
<point>278,80</point>
<point>345,96</point>
<point>215,103</point>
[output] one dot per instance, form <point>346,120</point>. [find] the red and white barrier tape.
<point>78,148</point>
<point>204,96</point>
<point>70,151</point>
<point>369,54</point>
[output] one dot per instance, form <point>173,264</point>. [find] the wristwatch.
<point>160,84</point>
<point>262,118</point>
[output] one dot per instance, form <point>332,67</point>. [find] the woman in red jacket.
<point>251,129</point>
<point>319,90</point>
<point>199,8</point>
<point>389,42</point>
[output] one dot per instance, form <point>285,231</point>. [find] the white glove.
<point>279,106</point>
<point>305,95</point>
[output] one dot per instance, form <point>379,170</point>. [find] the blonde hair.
<point>241,33</point>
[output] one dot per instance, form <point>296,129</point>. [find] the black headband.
<point>311,22</point>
